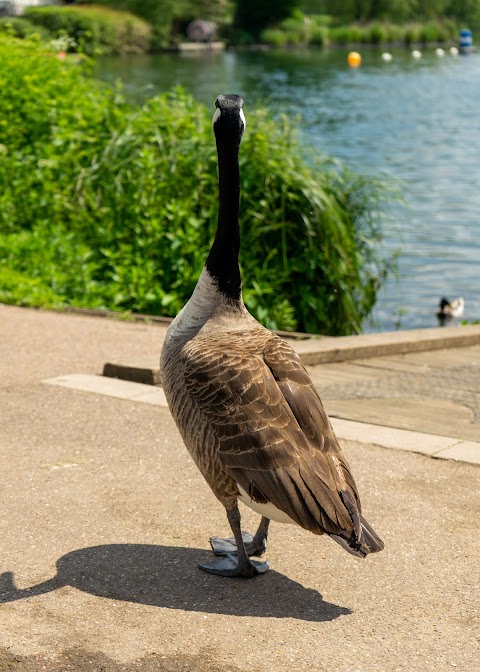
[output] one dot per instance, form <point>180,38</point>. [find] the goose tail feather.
<point>363,539</point>
<point>369,541</point>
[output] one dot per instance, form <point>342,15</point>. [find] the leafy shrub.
<point>353,34</point>
<point>42,97</point>
<point>94,29</point>
<point>314,30</point>
<point>341,35</point>
<point>394,33</point>
<point>429,33</point>
<point>436,31</point>
<point>274,37</point>
<point>242,37</point>
<point>319,36</point>
<point>378,33</point>
<point>108,205</point>
<point>17,26</point>
<point>169,17</point>
<point>411,34</point>
<point>323,19</point>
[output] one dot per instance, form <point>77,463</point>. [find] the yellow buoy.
<point>354,59</point>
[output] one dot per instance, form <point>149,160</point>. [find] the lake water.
<point>416,122</point>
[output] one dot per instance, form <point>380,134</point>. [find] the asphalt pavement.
<point>104,518</point>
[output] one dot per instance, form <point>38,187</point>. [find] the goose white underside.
<point>268,510</point>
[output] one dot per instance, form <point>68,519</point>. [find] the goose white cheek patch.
<point>216,116</point>
<point>217,113</point>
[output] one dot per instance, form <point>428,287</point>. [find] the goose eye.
<point>216,116</point>
<point>242,117</point>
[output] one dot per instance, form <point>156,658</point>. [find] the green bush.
<point>112,206</point>
<point>319,36</point>
<point>395,33</point>
<point>17,26</point>
<point>275,37</point>
<point>378,33</point>
<point>411,34</point>
<point>314,30</point>
<point>169,18</point>
<point>341,35</point>
<point>436,31</point>
<point>322,19</point>
<point>94,30</point>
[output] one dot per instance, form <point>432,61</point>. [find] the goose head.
<point>229,120</point>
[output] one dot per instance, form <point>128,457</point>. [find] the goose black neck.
<point>222,261</point>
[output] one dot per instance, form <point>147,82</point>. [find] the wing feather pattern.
<point>273,435</point>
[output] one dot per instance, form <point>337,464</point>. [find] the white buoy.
<point>416,53</point>
<point>439,52</point>
<point>386,57</point>
<point>454,51</point>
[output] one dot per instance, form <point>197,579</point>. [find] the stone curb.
<point>342,348</point>
<point>111,387</point>
<point>443,447</point>
<point>432,445</point>
<point>336,349</point>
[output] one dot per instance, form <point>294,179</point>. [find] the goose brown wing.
<point>273,435</point>
<point>307,408</point>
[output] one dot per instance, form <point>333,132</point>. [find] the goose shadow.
<point>167,576</point>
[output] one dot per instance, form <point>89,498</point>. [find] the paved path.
<point>404,390</point>
<point>104,518</point>
<point>436,393</point>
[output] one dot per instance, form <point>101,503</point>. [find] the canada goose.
<point>448,309</point>
<point>245,405</point>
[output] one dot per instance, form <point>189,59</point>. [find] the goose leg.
<point>229,565</point>
<point>256,545</point>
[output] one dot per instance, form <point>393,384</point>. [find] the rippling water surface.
<point>414,121</point>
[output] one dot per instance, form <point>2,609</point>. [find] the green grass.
<point>113,206</point>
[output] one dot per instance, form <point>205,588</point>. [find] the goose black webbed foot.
<point>256,545</point>
<point>231,566</point>
<point>229,547</point>
<point>236,550</point>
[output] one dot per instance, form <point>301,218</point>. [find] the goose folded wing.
<point>307,408</point>
<point>273,447</point>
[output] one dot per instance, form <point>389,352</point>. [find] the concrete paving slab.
<point>390,437</point>
<point>449,358</point>
<point>111,387</point>
<point>430,416</point>
<point>347,373</point>
<point>465,451</point>
<point>408,392</point>
<point>393,363</point>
